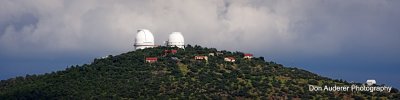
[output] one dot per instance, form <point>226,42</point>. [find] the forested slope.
<point>129,76</point>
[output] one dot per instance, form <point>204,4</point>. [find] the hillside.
<point>129,76</point>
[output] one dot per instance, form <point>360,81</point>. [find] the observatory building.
<point>370,82</point>
<point>176,39</point>
<point>144,39</point>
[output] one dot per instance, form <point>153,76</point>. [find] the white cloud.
<point>285,27</point>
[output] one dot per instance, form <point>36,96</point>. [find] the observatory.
<point>176,39</point>
<point>144,39</point>
<point>370,82</point>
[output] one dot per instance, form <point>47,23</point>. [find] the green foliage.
<point>128,76</point>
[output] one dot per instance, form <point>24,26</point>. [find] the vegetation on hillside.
<point>129,76</point>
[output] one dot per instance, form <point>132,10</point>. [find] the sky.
<point>354,40</point>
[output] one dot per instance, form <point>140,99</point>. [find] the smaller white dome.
<point>371,82</point>
<point>176,39</point>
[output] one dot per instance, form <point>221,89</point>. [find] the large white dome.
<point>144,39</point>
<point>176,39</point>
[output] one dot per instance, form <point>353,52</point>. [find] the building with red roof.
<point>230,59</point>
<point>201,58</point>
<point>151,59</point>
<point>248,56</point>
<point>170,51</point>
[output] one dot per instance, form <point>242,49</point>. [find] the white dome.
<point>176,39</point>
<point>144,39</point>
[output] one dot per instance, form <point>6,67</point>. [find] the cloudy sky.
<point>353,40</point>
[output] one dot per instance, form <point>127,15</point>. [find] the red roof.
<point>170,51</point>
<point>151,58</point>
<point>248,54</point>
<point>174,51</point>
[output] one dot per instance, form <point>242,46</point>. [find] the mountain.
<point>179,75</point>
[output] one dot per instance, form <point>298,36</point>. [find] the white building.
<point>229,59</point>
<point>144,39</point>
<point>201,58</point>
<point>176,39</point>
<point>211,54</point>
<point>370,82</point>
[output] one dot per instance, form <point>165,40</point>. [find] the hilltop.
<point>179,75</point>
